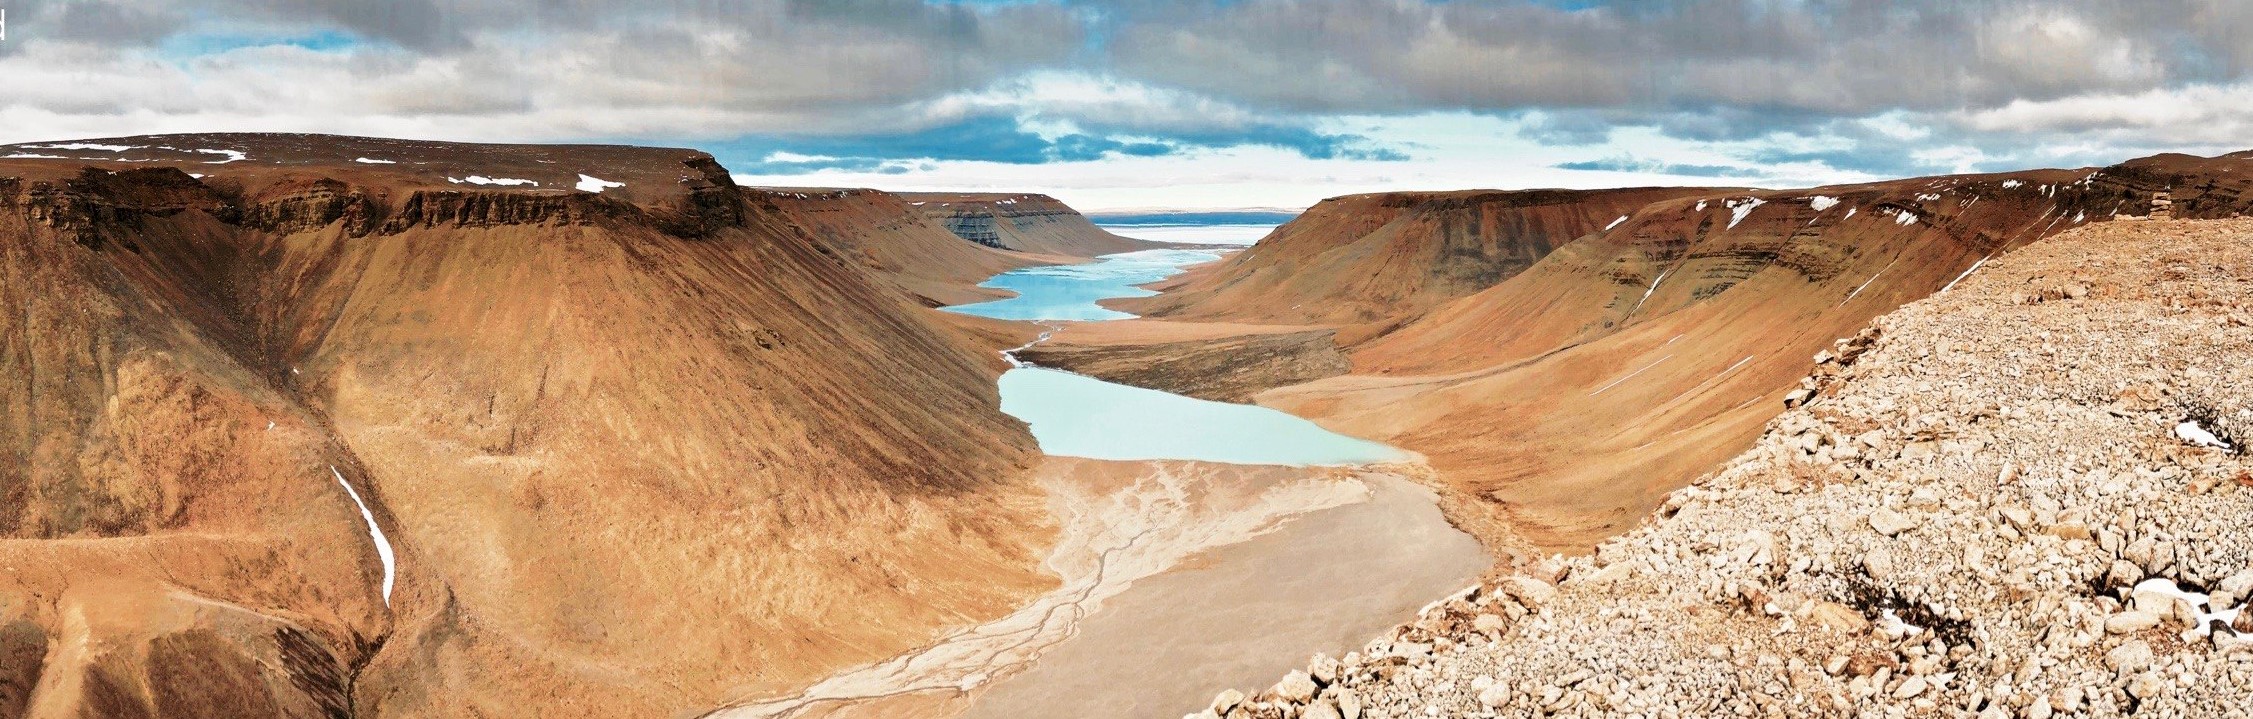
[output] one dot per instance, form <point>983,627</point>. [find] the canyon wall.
<point>620,442</point>
<point>1030,223</point>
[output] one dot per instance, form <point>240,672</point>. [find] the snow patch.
<point>1850,211</point>
<point>2190,432</point>
<point>483,180</point>
<point>372,161</point>
<point>1630,375</point>
<point>382,545</point>
<point>1967,273</point>
<point>1701,206</point>
<point>2164,590</point>
<point>1615,223</point>
<point>86,146</point>
<point>2008,184</point>
<point>232,156</point>
<point>590,183</point>
<point>1647,293</point>
<point>1822,202</point>
<point>1738,211</point>
<point>1904,218</point>
<point>33,156</point>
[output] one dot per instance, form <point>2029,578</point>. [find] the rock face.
<point>618,439</point>
<point>1982,510</point>
<point>1381,259</point>
<point>1030,223</point>
<point>1577,393</point>
<point>900,241</point>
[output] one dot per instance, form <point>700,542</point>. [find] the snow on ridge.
<point>483,180</point>
<point>1822,202</point>
<point>590,183</point>
<point>1738,212</point>
<point>33,156</point>
<point>373,161</point>
<point>1615,223</point>
<point>232,156</point>
<point>86,146</point>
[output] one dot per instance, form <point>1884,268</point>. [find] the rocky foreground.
<point>2026,496</point>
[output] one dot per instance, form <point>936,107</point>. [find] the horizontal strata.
<point>2005,500</point>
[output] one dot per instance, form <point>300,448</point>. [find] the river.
<point>1202,545</point>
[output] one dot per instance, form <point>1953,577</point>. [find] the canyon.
<point>328,426</point>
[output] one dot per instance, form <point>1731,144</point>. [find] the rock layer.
<point>623,440</point>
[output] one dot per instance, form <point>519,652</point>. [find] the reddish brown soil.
<point>1370,262</point>
<point>628,445</point>
<point>1023,222</point>
<point>1573,394</point>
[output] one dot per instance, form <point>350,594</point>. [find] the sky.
<point>1177,104</point>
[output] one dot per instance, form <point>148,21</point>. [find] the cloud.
<point>1586,89</point>
<point>1653,167</point>
<point>1008,140</point>
<point>1843,58</point>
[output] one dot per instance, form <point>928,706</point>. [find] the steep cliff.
<point>1031,223</point>
<point>614,429</point>
<point>1381,259</point>
<point>895,240</point>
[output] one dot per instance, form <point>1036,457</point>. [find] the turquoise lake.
<point>1069,292</point>
<point>1078,416</point>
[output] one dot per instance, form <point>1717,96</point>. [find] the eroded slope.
<point>2011,499</point>
<point>621,437</point>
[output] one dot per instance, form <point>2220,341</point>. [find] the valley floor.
<point>2005,500</point>
<point>1171,572</point>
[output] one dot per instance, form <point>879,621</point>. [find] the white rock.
<point>1890,523</point>
<point>2130,657</point>
<point>1226,700</point>
<point>1296,687</point>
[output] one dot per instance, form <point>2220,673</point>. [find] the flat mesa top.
<point>638,174</point>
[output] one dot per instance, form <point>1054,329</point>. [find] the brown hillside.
<point>623,442</point>
<point>896,240</point>
<point>1620,366</point>
<point>1379,259</point>
<point>1024,222</point>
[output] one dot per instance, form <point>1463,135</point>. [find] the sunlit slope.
<point>625,442</point>
<point>1623,364</point>
<point>1381,259</point>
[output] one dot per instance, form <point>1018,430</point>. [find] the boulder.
<point>2130,657</point>
<point>1296,687</point>
<point>2130,622</point>
<point>1890,523</point>
<point>1226,700</point>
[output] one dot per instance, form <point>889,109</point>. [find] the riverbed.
<point>1202,545</point>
